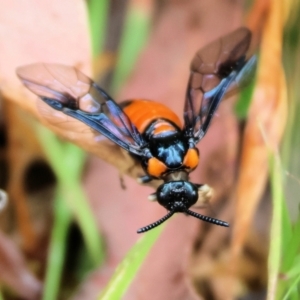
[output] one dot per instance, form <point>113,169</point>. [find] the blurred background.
<point>70,205</point>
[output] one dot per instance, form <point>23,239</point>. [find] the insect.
<point>148,130</point>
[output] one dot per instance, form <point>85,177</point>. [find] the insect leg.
<point>144,179</point>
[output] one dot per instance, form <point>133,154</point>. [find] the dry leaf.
<point>14,272</point>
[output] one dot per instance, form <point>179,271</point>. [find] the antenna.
<point>207,219</point>
<point>155,224</point>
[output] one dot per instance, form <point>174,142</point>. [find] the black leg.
<point>144,179</point>
<point>122,182</point>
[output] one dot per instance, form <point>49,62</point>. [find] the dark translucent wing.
<point>68,90</point>
<point>213,71</point>
<point>244,78</point>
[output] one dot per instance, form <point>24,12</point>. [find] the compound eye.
<point>191,159</point>
<point>156,168</point>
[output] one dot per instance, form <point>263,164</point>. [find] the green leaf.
<point>128,268</point>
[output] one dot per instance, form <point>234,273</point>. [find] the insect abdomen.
<point>143,112</point>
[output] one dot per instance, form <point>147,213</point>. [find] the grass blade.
<point>137,21</point>
<point>128,268</point>
<point>67,161</point>
<point>98,14</point>
<point>274,260</point>
<point>57,248</point>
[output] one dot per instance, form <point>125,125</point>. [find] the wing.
<point>68,90</point>
<point>214,71</point>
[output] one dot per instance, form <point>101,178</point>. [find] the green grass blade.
<point>295,268</point>
<point>138,22</point>
<point>288,277</point>
<point>292,248</point>
<point>292,289</point>
<point>274,260</point>
<point>287,228</point>
<point>98,14</point>
<point>126,271</point>
<point>67,162</point>
<point>55,262</point>
<point>78,203</point>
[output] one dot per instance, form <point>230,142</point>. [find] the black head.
<point>179,196</point>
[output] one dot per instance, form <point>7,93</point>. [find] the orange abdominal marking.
<point>142,112</point>
<point>163,127</point>
<point>155,167</point>
<point>191,159</point>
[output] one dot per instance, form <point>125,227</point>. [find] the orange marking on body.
<point>155,167</point>
<point>162,127</point>
<point>191,159</point>
<point>142,112</point>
